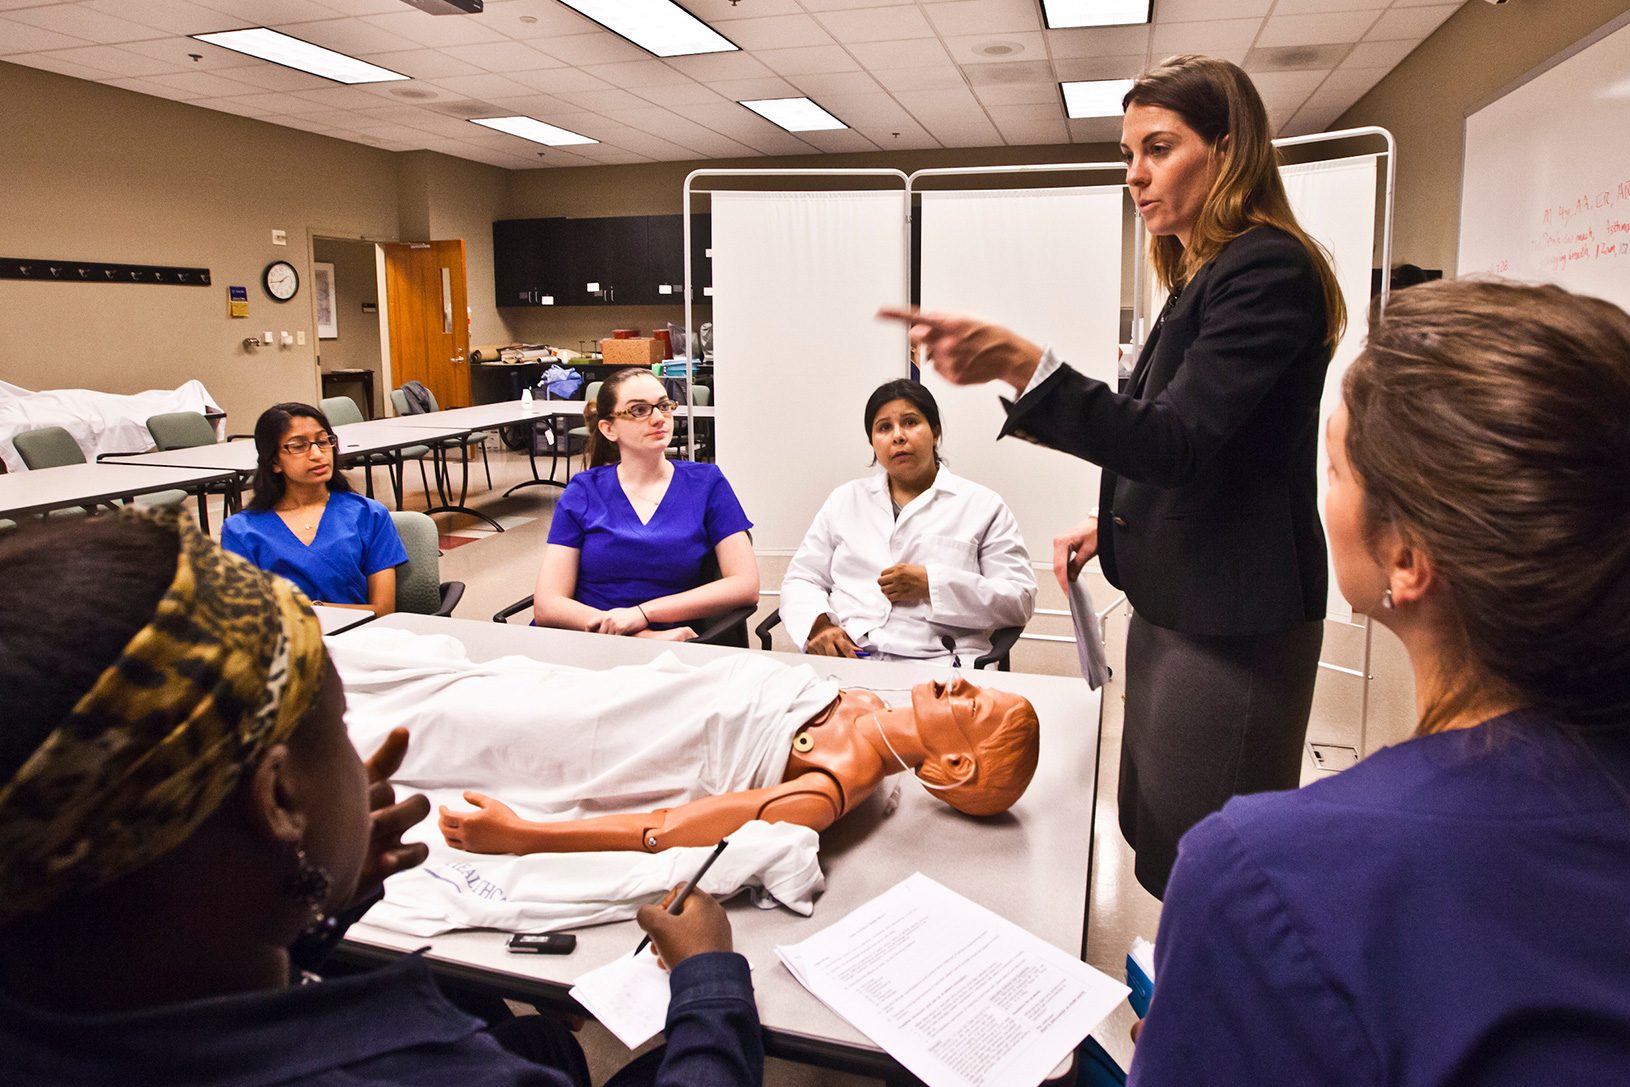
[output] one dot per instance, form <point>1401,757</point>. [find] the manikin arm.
<point>813,799</point>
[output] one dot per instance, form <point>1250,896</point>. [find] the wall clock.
<point>280,280</point>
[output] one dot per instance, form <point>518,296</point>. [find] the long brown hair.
<point>599,450</point>
<point>1217,99</point>
<point>269,484</point>
<point>1489,424</point>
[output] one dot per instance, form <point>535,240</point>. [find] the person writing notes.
<point>307,524</point>
<point>631,537</point>
<point>1208,514</point>
<point>896,564</point>
<point>1450,910</point>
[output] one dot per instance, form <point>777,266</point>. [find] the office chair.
<point>54,447</point>
<point>477,438</point>
<point>729,628</point>
<point>1002,641</point>
<point>342,410</point>
<point>419,588</point>
<point>187,430</point>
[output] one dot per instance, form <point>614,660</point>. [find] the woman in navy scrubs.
<point>631,535</point>
<point>307,524</point>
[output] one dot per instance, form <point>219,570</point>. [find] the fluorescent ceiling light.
<point>1095,97</point>
<point>795,114</point>
<point>294,53</point>
<point>529,129</point>
<point>657,26</point>
<point>1065,13</point>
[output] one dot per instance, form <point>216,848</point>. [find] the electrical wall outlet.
<point>300,337</point>
<point>280,237</point>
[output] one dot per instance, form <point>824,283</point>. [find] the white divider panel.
<point>1334,202</point>
<point>1047,264</point>
<point>797,349</point>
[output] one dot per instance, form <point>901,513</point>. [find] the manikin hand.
<point>827,639</point>
<point>618,621</point>
<point>701,925</point>
<point>1072,549</point>
<point>968,351</point>
<point>386,853</point>
<point>904,581</point>
<point>491,828</point>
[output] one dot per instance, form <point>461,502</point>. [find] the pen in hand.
<point>684,892</point>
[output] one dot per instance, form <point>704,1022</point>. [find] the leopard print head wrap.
<point>229,663</point>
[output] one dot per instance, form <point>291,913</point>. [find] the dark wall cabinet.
<point>632,260</point>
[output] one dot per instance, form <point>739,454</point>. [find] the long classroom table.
<point>1030,864</point>
<point>45,489</point>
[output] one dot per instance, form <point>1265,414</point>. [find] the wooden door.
<point>429,318</point>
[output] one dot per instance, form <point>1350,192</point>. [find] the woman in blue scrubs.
<point>305,522</point>
<point>631,535</point>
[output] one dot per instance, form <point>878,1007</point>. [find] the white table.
<point>334,620</point>
<point>87,484</point>
<point>1030,864</point>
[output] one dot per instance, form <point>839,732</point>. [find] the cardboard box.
<point>643,352</point>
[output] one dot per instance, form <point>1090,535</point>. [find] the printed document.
<point>957,994</point>
<point>629,995</point>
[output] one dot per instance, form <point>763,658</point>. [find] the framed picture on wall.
<point>328,321</point>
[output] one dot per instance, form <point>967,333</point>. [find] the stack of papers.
<point>959,995</point>
<point>628,995</point>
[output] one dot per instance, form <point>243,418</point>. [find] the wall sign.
<point>237,301</point>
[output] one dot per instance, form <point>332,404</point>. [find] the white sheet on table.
<point>100,422</point>
<point>556,742</point>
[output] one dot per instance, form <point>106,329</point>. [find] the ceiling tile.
<point>421,63</point>
<point>916,53</point>
<point>714,66</point>
<point>204,84</point>
<point>710,11</point>
<point>1378,54</point>
<point>808,60</point>
<point>877,24</point>
<point>1188,11</point>
<point>434,30</point>
<point>116,61</point>
<point>985,17</point>
<point>1410,22</point>
<point>1017,94</point>
<point>341,97</point>
<point>1353,81</point>
<point>242,107</point>
<point>178,51</point>
<point>276,103</point>
<point>174,16</point>
<point>1315,7</point>
<point>774,32</point>
<point>85,23</point>
<point>18,37</point>
<point>1286,91</point>
<point>1022,46</point>
<point>1098,41</point>
<point>597,47</point>
<point>273,12</point>
<point>1034,132</point>
<point>360,7</point>
<point>1417,3</point>
<point>549,19</point>
<point>835,5</point>
<point>922,79</point>
<point>1036,111</point>
<point>1204,37</point>
<point>838,141</point>
<point>52,62</point>
<point>958,103</point>
<point>1073,68</point>
<point>532,105</point>
<point>601,101</point>
<point>836,83</point>
<point>965,133</point>
<point>143,85</point>
<point>637,74</point>
<point>506,56</point>
<point>556,80</point>
<point>679,95</point>
<point>348,36</point>
<point>486,85</point>
<point>745,90</point>
<point>1315,29</point>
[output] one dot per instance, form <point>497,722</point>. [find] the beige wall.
<point>1424,102</point>
<point>92,172</point>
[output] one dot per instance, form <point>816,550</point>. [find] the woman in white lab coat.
<point>915,563</point>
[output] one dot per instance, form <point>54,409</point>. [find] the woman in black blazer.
<point>1208,513</point>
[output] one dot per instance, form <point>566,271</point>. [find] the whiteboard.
<point>1545,195</point>
<point>1047,263</point>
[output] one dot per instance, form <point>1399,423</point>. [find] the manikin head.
<point>982,744</point>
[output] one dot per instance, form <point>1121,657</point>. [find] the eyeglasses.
<point>295,446</point>
<point>639,410</point>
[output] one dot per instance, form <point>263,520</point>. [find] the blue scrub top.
<point>355,538</point>
<point>623,562</point>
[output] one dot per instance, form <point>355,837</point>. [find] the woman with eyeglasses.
<point>307,524</point>
<point>631,536</point>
